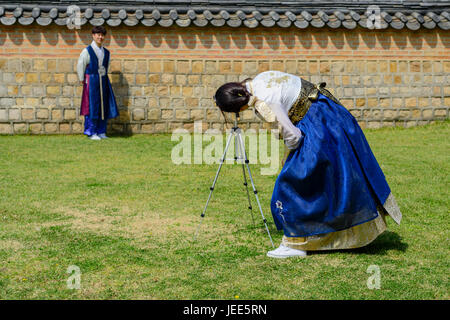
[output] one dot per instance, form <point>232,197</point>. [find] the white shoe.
<point>103,136</point>
<point>94,137</point>
<point>285,252</point>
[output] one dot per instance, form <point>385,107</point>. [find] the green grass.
<point>121,211</point>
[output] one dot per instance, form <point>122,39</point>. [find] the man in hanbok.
<point>98,103</point>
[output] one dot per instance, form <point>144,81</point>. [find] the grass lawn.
<point>121,211</point>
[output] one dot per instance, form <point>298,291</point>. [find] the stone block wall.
<point>164,78</point>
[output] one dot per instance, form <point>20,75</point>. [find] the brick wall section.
<point>164,78</point>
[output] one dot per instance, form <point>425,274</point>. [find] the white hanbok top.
<point>274,93</point>
<point>84,59</point>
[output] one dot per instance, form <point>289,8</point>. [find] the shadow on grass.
<point>126,133</point>
<point>387,241</point>
<point>380,246</point>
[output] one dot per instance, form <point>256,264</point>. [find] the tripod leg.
<point>253,185</point>
<point>241,156</point>
<point>222,160</point>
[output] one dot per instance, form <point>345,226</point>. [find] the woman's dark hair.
<point>99,29</point>
<point>232,96</point>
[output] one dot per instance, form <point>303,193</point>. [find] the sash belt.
<point>308,94</point>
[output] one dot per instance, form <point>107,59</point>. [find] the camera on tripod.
<point>240,154</point>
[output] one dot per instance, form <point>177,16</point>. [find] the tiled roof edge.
<point>371,18</point>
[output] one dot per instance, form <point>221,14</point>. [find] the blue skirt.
<point>332,181</point>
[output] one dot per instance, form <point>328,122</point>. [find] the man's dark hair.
<point>99,29</point>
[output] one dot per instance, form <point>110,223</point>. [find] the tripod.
<point>241,155</point>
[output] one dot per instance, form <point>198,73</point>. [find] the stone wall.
<point>164,78</point>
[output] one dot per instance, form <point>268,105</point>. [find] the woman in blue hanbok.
<point>331,193</point>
